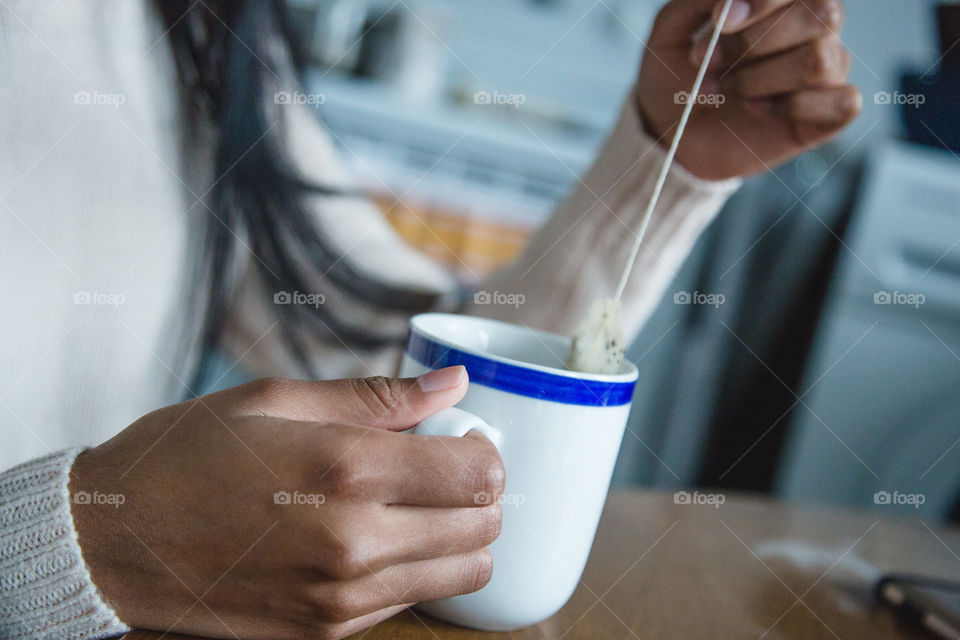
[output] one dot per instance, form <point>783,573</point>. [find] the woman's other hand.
<point>776,87</point>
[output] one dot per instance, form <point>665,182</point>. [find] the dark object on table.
<point>929,603</point>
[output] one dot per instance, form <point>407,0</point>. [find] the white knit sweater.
<point>96,217</point>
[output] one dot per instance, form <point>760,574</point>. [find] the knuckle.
<point>268,389</point>
<point>825,14</point>
<point>823,59</point>
<point>380,395</point>
<point>846,60</point>
<point>338,606</point>
<point>489,472</point>
<point>332,606</point>
<point>345,562</point>
<point>349,476</point>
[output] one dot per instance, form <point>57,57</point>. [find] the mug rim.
<point>514,376</point>
<point>630,375</point>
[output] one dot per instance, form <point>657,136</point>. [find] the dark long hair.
<point>232,57</point>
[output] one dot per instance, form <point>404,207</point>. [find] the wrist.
<point>46,591</point>
<point>661,131</point>
<point>706,176</point>
<point>95,508</point>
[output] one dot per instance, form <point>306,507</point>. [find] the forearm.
<point>579,254</point>
<point>45,587</point>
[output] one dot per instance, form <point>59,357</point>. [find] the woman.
<point>156,198</point>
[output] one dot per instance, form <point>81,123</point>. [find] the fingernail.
<point>442,379</point>
<point>739,12</point>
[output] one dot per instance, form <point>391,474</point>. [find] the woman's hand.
<point>776,86</point>
<point>284,509</point>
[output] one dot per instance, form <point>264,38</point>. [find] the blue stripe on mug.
<point>520,380</point>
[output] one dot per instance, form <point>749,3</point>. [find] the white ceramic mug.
<point>558,433</point>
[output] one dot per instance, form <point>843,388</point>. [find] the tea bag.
<point>598,345</point>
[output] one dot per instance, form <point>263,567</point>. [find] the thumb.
<point>398,403</point>
<point>680,21</point>
<point>387,403</point>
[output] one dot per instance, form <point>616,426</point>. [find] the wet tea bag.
<point>598,344</point>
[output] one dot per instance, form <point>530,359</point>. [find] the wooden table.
<point>750,568</point>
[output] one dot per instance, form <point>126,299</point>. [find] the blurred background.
<point>831,370</point>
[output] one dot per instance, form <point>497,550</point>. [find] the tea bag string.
<point>668,161</point>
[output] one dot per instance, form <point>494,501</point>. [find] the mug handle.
<point>456,422</point>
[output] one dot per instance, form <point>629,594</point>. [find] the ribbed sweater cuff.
<point>45,586</point>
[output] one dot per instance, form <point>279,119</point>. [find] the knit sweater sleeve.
<point>45,586</point>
